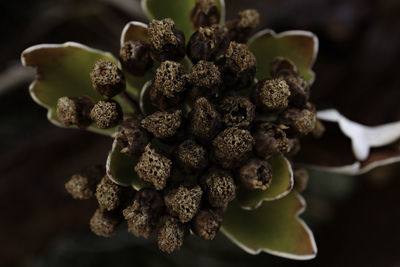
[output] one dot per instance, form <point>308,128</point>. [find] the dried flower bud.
<point>154,168</point>
<point>106,114</point>
<point>103,223</point>
<point>74,111</point>
<point>272,95</point>
<point>294,147</point>
<point>110,195</point>
<point>170,234</point>
<point>183,202</point>
<point>255,174</point>
<point>204,13</point>
<point>282,67</point>
<point>300,121</point>
<point>132,138</point>
<point>299,90</point>
<point>135,57</point>
<point>163,124</point>
<point>270,140</point>
<point>191,157</point>
<point>167,43</point>
<point>206,121</point>
<point>205,80</point>
<point>83,184</point>
<point>143,214</point>
<point>301,177</point>
<point>318,130</point>
<point>238,66</point>
<point>237,111</point>
<point>168,86</point>
<point>207,43</point>
<point>232,147</point>
<point>243,25</point>
<point>107,79</point>
<point>206,223</point>
<point>219,187</point>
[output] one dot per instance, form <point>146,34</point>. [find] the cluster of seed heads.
<point>208,137</point>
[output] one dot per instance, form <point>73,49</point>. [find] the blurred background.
<point>356,220</point>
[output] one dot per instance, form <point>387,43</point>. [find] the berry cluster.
<point>215,129</point>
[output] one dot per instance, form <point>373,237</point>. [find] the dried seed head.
<point>204,13</point>
<point>270,140</point>
<point>132,138</point>
<point>206,223</point>
<point>256,174</point>
<point>238,67</point>
<point>232,147</point>
<point>300,121</point>
<point>110,195</point>
<point>74,111</point>
<point>205,74</point>
<point>243,25</point>
<point>206,121</point>
<point>318,130</point>
<point>282,67</point>
<point>301,177</point>
<point>170,235</point>
<point>272,95</point>
<point>154,168</point>
<point>167,42</point>
<point>143,214</point>
<point>299,91</point>
<point>107,79</point>
<point>106,114</point>
<point>183,202</point>
<point>163,124</point>
<point>207,43</point>
<point>219,187</point>
<point>191,157</point>
<point>169,83</point>
<point>103,223</point>
<point>83,184</point>
<point>135,57</point>
<point>237,111</point>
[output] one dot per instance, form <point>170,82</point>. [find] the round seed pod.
<point>170,234</point>
<point>82,185</point>
<point>282,67</point>
<point>110,195</point>
<point>183,202</point>
<point>238,66</point>
<point>242,26</point>
<point>270,140</point>
<point>219,187</point>
<point>205,120</point>
<point>255,174</point>
<point>272,95</point>
<point>132,138</point>
<point>237,111</point>
<point>163,124</point>
<point>107,79</point>
<point>167,43</point>
<point>104,223</point>
<point>168,86</point>
<point>232,147</point>
<point>135,57</point>
<point>207,43</point>
<point>74,111</point>
<point>106,114</point>
<point>154,168</point>
<point>300,121</point>
<point>204,13</point>
<point>207,222</point>
<point>205,80</point>
<point>190,157</point>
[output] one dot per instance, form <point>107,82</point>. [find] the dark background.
<point>356,220</point>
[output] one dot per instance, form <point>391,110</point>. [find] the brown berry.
<point>272,95</point>
<point>83,184</point>
<point>107,79</point>
<point>135,57</point>
<point>191,157</point>
<point>219,187</point>
<point>205,121</point>
<point>243,25</point>
<point>110,195</point>
<point>163,124</point>
<point>204,13</point>
<point>207,222</point>
<point>170,234</point>
<point>237,111</point>
<point>74,111</point>
<point>103,223</point>
<point>132,138</point>
<point>106,114</point>
<point>270,140</point>
<point>255,174</point>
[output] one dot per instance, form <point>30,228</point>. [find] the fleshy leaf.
<point>281,185</point>
<point>274,228</point>
<point>63,70</point>
<point>299,46</point>
<point>120,168</point>
<point>348,147</point>
<point>146,107</point>
<point>178,10</point>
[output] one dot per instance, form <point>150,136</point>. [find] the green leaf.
<point>281,185</point>
<point>120,168</point>
<point>134,31</point>
<point>274,228</point>
<point>178,10</point>
<point>63,70</point>
<point>299,46</point>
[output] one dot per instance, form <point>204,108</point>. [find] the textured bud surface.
<point>170,235</point>
<point>83,184</point>
<point>163,124</point>
<point>132,138</point>
<point>219,187</point>
<point>103,223</point>
<point>107,78</point>
<point>256,174</point>
<point>272,95</point>
<point>237,111</point>
<point>106,114</point>
<point>207,223</point>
